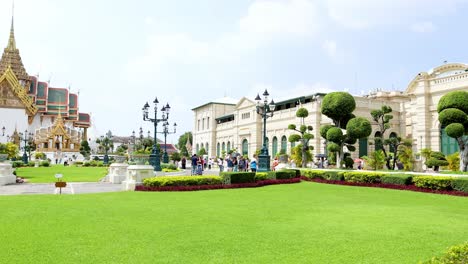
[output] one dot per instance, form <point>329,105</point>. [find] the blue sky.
<point>120,54</point>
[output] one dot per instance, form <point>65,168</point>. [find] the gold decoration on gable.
<point>19,91</point>
<point>58,129</point>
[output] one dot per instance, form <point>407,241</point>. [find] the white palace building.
<point>227,124</point>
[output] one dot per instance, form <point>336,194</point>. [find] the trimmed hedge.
<point>460,184</point>
<point>261,176</point>
<point>169,166</point>
<point>433,182</point>
<point>365,177</point>
<point>402,179</point>
<point>182,181</point>
<point>214,186</point>
<point>285,174</point>
<point>323,174</point>
<point>238,177</point>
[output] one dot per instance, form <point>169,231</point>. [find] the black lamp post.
<point>155,159</point>
<point>106,142</point>
<point>167,132</point>
<point>265,110</point>
<point>25,137</point>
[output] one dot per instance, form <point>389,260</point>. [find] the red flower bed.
<point>214,186</point>
<point>388,186</point>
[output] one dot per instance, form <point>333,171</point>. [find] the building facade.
<point>30,108</point>
<point>225,124</point>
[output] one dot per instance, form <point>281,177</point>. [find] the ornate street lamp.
<point>106,142</point>
<point>265,110</point>
<point>25,137</point>
<point>167,132</point>
<point>155,159</point>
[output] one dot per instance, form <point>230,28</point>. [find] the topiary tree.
<point>339,107</point>
<point>394,143</point>
<point>436,160</point>
<point>304,135</point>
<point>85,150</point>
<point>175,156</point>
<point>296,155</point>
<point>201,152</point>
<point>382,117</point>
<point>453,116</point>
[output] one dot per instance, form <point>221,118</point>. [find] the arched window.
<point>229,146</point>
<point>378,141</point>
<point>284,144</point>
<point>224,147</point>
<point>362,147</point>
<point>207,149</point>
<point>218,150</point>
<point>275,147</point>
<point>197,148</point>
<point>202,146</point>
<point>245,147</point>
<point>392,135</point>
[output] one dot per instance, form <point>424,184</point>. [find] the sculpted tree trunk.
<point>463,144</point>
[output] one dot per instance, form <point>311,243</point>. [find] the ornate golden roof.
<point>12,58</point>
<point>58,129</point>
<point>9,77</point>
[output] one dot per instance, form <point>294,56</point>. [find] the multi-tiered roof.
<point>38,97</point>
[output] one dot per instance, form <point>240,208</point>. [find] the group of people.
<point>233,163</point>
<point>229,163</point>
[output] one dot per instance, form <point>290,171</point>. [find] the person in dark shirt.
<point>194,163</point>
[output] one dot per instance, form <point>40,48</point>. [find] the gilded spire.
<point>11,58</point>
<point>11,41</point>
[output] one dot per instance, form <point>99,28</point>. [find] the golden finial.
<point>11,42</point>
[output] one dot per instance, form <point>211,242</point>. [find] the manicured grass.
<point>297,223</point>
<point>454,172</point>
<point>70,173</point>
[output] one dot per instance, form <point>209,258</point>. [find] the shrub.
<point>436,160</point>
<point>169,166</point>
<point>44,163</point>
<point>285,174</point>
<point>31,164</point>
<point>17,164</point>
<point>314,174</point>
<point>365,177</point>
<point>169,170</point>
<point>401,179</point>
<point>261,176</point>
<point>433,182</point>
<point>455,254</point>
<point>78,163</point>
<point>182,181</point>
<point>334,175</point>
<point>40,155</point>
<point>453,161</point>
<point>240,177</point>
<point>86,164</point>
<point>460,184</point>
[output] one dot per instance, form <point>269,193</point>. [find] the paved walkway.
<point>49,188</point>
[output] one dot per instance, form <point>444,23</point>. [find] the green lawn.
<point>296,223</point>
<point>70,173</point>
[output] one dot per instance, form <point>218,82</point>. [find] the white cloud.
<point>265,21</point>
<point>423,27</point>
<point>296,17</point>
<point>330,48</point>
<point>371,13</point>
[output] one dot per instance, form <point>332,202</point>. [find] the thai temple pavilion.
<point>30,108</point>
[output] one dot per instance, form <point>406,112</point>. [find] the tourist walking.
<point>183,162</point>
<point>253,163</point>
